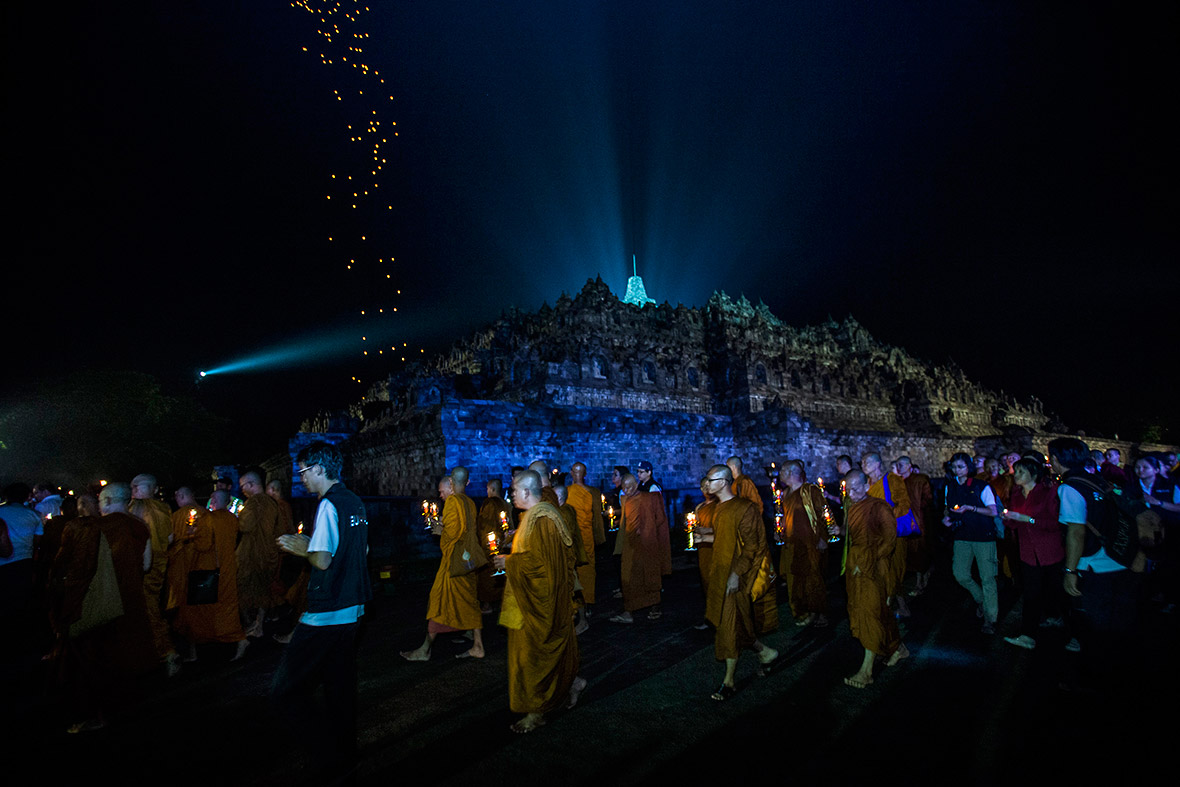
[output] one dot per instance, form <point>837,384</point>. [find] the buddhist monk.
<point>587,504</point>
<point>257,554</point>
<point>743,486</point>
<point>805,540</point>
<point>101,661</point>
<point>538,609</point>
<point>702,539</point>
<point>489,521</point>
<point>571,520</point>
<point>158,517</point>
<point>871,532</point>
<point>454,600</point>
<point>919,548</point>
<point>541,468</point>
<point>647,555</point>
<point>739,578</point>
<point>274,488</point>
<point>897,495</point>
<point>207,543</point>
<point>1007,550</point>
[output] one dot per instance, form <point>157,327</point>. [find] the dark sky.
<point>990,182</point>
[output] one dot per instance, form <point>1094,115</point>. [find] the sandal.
<point>723,693</point>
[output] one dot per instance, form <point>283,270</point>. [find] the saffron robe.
<point>800,561</point>
<point>587,505</point>
<point>744,487</point>
<point>212,547</point>
<point>257,554</point>
<point>647,553</point>
<point>871,532</point>
<point>739,547</point>
<point>488,521</point>
<point>454,601</point>
<point>179,555</point>
<point>538,612</point>
<point>158,518</point>
<point>901,507</point>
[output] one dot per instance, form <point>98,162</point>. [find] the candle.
<point>299,529</point>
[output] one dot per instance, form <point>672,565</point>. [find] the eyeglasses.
<point>304,470</point>
<point>713,480</point>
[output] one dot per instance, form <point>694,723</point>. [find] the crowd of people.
<point>123,582</point>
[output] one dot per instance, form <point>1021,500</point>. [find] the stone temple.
<point>597,380</point>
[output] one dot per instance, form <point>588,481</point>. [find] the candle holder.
<point>610,515</point>
<point>690,528</point>
<point>494,548</point>
<point>780,536</point>
<point>430,516</point>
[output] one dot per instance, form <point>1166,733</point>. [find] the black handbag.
<point>202,583</point>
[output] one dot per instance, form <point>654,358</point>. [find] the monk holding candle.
<point>806,537</point>
<point>870,535</point>
<point>587,504</point>
<point>739,578</point>
<point>647,554</point>
<point>487,522</point>
<point>899,497</point>
<point>207,543</point>
<point>454,603</point>
<point>538,609</point>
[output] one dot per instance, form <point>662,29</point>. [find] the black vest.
<point>345,583</point>
<point>973,527</point>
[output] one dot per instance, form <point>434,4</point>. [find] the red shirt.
<point>1041,542</point>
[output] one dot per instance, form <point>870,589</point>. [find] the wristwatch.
<point>1073,571</point>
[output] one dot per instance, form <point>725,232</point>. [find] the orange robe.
<point>538,612</point>
<point>179,554</point>
<point>744,487</point>
<point>286,519</point>
<point>549,496</point>
<point>901,507</point>
<point>919,549</point>
<point>212,547</point>
<point>739,547</point>
<point>800,562</point>
<point>158,518</point>
<point>488,521</point>
<point>587,504</point>
<point>99,665</point>
<point>871,532</point>
<point>706,512</point>
<point>454,601</point>
<point>1007,548</point>
<point>646,556</point>
<point>257,553</point>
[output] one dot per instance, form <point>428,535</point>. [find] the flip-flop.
<point>764,668</point>
<point>723,693</point>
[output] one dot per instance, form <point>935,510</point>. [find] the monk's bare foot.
<point>622,617</point>
<point>529,723</point>
<point>858,681</point>
<point>767,654</point>
<point>805,620</point>
<point>473,653</point>
<point>421,654</point>
<point>579,685</point>
<point>581,627</point>
<point>902,652</point>
<point>241,651</point>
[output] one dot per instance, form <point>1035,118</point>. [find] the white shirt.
<point>1073,512</point>
<point>326,538</point>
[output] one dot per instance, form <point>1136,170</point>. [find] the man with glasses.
<point>738,578</point>
<point>323,645</point>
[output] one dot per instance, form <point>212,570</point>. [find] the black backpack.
<point>1110,518</point>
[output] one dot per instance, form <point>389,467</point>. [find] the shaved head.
<point>542,470</point>
<point>578,472</point>
<point>219,500</point>
<point>495,487</point>
<point>459,478</point>
<point>735,464</point>
<point>562,494</point>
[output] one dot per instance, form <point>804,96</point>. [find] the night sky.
<point>991,183</point>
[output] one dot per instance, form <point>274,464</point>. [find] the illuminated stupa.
<point>636,294</point>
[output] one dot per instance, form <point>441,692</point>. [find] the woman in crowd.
<point>1032,515</point>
